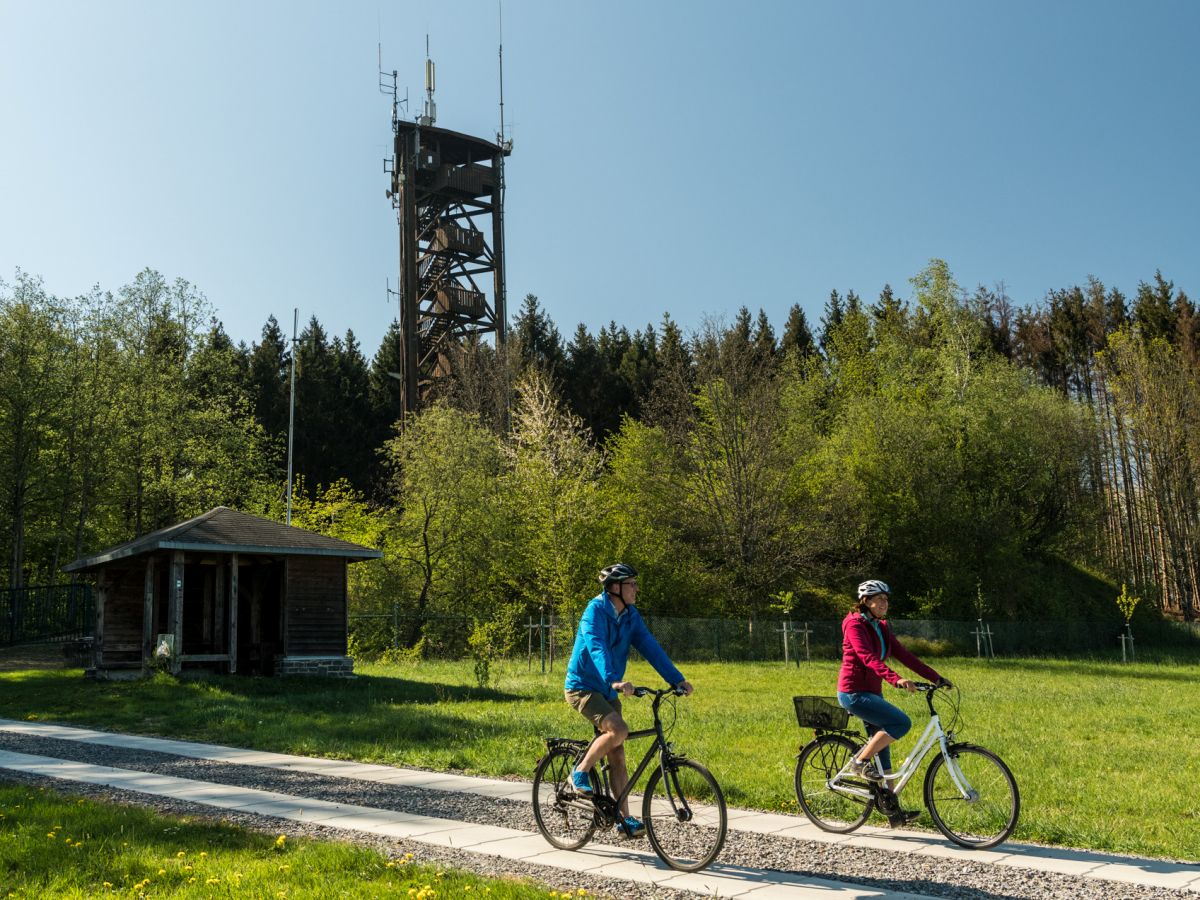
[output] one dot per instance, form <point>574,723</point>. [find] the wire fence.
<point>546,640</point>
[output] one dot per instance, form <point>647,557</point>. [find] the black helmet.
<point>616,573</point>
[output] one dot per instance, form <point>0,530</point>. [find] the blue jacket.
<point>602,649</point>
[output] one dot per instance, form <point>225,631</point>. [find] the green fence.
<point>547,640</point>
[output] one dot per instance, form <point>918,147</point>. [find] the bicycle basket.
<point>820,712</point>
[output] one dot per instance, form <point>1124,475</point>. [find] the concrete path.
<point>727,881</point>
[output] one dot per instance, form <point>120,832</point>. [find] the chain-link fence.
<point>545,641</point>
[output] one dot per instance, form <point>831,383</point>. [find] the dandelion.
<point>213,881</point>
<point>391,865</point>
<point>582,892</point>
<point>162,871</point>
<point>108,884</point>
<point>50,834</point>
<point>187,868</point>
<point>192,880</point>
<point>407,856</point>
<point>284,867</point>
<point>180,855</point>
<point>280,841</point>
<point>203,855</point>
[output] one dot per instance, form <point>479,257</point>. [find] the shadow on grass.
<point>1100,669</point>
<point>365,718</point>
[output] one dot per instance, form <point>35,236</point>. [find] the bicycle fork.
<point>956,774</point>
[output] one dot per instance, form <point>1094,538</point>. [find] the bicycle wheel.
<point>685,815</point>
<point>830,808</point>
<point>565,820</point>
<point>989,813</point>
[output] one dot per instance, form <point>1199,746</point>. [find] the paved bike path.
<point>612,862</point>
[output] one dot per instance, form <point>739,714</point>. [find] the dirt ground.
<point>32,656</point>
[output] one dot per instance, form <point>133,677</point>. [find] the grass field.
<point>56,846</point>
<point>1106,754</point>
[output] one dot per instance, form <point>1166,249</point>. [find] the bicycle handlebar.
<point>658,692</point>
<point>925,687</point>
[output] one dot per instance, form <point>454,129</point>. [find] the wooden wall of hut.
<point>315,618</point>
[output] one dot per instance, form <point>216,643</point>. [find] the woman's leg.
<point>888,722</point>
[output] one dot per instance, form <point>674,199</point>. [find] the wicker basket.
<point>820,712</point>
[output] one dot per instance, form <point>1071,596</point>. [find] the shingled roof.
<point>224,530</point>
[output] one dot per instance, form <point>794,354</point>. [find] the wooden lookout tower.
<point>448,192</point>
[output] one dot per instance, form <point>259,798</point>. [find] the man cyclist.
<point>596,676</point>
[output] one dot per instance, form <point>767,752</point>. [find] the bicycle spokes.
<point>685,815</point>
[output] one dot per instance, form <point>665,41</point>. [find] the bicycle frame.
<point>659,745</point>
<point>933,734</point>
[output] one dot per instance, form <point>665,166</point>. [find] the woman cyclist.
<point>867,642</point>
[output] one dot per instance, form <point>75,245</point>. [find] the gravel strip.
<point>897,871</point>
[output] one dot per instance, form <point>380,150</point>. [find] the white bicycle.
<point>970,793</point>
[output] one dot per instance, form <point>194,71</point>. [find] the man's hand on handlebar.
<point>684,688</point>
<point>623,687</point>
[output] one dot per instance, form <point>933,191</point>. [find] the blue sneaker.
<point>581,783</point>
<point>630,827</point>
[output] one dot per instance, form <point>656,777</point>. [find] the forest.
<point>986,458</point>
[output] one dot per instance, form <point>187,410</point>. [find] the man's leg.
<point>610,742</point>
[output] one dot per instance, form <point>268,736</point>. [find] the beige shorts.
<point>593,705</point>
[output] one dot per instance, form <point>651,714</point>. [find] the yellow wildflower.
<point>284,867</point>
<point>213,881</point>
<point>582,892</point>
<point>192,880</point>
<point>181,854</point>
<point>280,841</point>
<point>108,884</point>
<point>390,864</point>
<point>203,855</point>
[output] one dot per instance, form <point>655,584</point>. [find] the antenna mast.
<point>430,115</point>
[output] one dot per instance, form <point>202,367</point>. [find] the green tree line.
<point>987,459</point>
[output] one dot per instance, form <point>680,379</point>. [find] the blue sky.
<point>674,156</point>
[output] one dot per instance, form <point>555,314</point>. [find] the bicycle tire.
<point>826,807</point>
<point>564,820</point>
<point>686,838</point>
<point>976,823</point>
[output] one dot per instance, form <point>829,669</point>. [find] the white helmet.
<point>867,588</point>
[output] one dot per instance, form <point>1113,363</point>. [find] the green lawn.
<point>1106,754</point>
<point>56,846</point>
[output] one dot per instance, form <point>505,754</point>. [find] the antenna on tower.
<point>500,136</point>
<point>430,115</point>
<point>385,88</point>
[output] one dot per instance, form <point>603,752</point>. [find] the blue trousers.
<point>879,715</point>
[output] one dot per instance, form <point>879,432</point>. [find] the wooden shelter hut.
<point>224,590</point>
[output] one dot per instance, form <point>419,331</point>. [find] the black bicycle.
<point>683,807</point>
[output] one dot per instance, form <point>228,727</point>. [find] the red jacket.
<point>862,667</point>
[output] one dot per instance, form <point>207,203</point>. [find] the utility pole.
<point>292,411</point>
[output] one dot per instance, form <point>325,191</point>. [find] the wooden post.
<point>98,636</point>
<point>220,602</point>
<point>233,611</point>
<point>148,614</point>
<point>175,615</point>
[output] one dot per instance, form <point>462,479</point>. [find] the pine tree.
<point>797,338</point>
